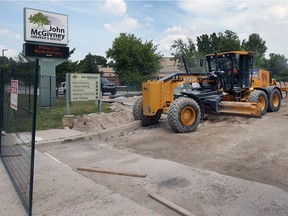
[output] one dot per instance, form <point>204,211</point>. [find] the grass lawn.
<point>52,118</point>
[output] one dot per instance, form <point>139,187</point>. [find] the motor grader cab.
<point>233,70</point>
<point>241,82</point>
<point>228,87</point>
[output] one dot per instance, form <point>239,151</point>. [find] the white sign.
<point>46,27</point>
<point>85,87</point>
<point>14,94</point>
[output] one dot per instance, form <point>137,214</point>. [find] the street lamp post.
<point>3,50</point>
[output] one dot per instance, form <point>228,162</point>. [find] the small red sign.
<point>14,94</point>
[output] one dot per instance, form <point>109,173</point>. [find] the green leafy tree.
<point>134,61</point>
<point>101,61</point>
<point>39,19</point>
<point>110,64</point>
<point>229,41</point>
<point>277,65</point>
<point>66,67</point>
<point>204,44</point>
<point>222,42</point>
<point>6,63</point>
<point>89,64</point>
<point>186,55</point>
<point>256,44</point>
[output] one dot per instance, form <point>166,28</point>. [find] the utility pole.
<point>3,50</point>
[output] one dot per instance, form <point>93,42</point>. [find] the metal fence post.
<point>33,136</point>
<point>1,105</point>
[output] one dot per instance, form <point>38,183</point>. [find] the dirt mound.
<point>121,115</point>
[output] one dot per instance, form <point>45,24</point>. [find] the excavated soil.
<point>121,114</point>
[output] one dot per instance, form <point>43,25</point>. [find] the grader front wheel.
<point>259,96</point>
<point>184,115</point>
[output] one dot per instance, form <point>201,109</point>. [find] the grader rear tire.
<point>138,114</point>
<point>274,102</point>
<point>259,96</point>
<point>184,115</point>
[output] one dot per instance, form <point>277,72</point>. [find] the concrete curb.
<point>102,135</point>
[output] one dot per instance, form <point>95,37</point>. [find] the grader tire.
<point>138,109</point>
<point>138,114</point>
<point>184,115</point>
<point>259,96</point>
<point>151,120</point>
<point>274,102</point>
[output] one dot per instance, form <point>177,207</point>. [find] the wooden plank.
<point>113,172</point>
<point>12,155</point>
<point>171,205</point>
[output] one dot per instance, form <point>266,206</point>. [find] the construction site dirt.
<point>246,150</point>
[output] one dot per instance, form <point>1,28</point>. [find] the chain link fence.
<point>18,97</point>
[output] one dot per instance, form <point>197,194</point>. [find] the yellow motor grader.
<point>230,86</point>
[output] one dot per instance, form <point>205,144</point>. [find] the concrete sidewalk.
<point>50,185</point>
<point>55,184</point>
<point>58,190</point>
<point>54,135</point>
<point>10,203</point>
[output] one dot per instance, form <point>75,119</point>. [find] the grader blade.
<point>240,108</point>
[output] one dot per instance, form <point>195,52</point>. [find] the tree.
<point>89,64</point>
<point>6,63</point>
<point>204,44</point>
<point>277,65</point>
<point>256,44</point>
<point>186,55</point>
<point>101,61</point>
<point>229,41</point>
<point>222,42</point>
<point>134,61</point>
<point>39,19</point>
<point>66,67</point>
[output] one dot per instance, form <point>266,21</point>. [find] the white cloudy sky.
<point>93,25</point>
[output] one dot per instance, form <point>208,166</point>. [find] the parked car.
<point>61,89</point>
<point>106,86</point>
